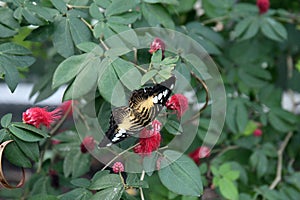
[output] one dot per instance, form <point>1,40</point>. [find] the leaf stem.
<point>87,24</point>
<point>141,189</point>
<point>74,6</point>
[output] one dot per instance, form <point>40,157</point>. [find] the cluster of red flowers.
<point>149,139</point>
<point>37,116</point>
<point>179,103</point>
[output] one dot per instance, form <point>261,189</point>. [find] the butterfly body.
<point>144,105</point>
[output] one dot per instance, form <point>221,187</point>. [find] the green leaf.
<point>148,75</point>
<point>125,18</point>
<point>280,120</point>
<point>298,65</point>
<point>241,116</point>
<point>133,180</point>
<point>5,120</point>
<point>118,6</point>
<point>173,127</point>
<point>105,181</point>
<point>30,149</point>
<point>180,176</point>
<point>269,32</point>
<point>231,116</point>
<point>125,71</point>
<point>155,14</point>
<point>81,182</point>
<point>98,174</point>
<point>62,39</point>
<point>15,156</point>
<point>24,135</point>
<point>68,163</point>
<point>109,85</point>
<point>79,31</point>
<point>278,28</point>
<point>43,196</point>
<point>7,19</point>
<point>112,193</point>
<point>30,128</point>
<point>6,32</point>
<point>12,77</point>
<point>68,69</point>
<point>95,12</point>
<point>232,175</point>
<point>90,47</point>
<point>88,73</point>
<point>228,189</point>
<point>60,5</point>
<point>156,57</point>
<point>259,161</point>
<point>252,29</point>
<point>3,134</point>
<point>250,128</point>
<point>77,194</point>
<point>241,26</point>
<point>76,163</point>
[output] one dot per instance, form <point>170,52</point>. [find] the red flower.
<point>179,103</point>
<point>67,107</point>
<point>201,152</point>
<point>149,139</point>
<point>156,45</point>
<point>87,144</point>
<point>258,132</point>
<point>263,6</point>
<point>118,167</point>
<point>37,116</point>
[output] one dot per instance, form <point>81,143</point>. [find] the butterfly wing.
<point>148,102</point>
<point>144,106</point>
<point>119,125</point>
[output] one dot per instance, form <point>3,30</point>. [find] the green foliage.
<point>74,44</point>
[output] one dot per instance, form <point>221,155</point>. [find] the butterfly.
<point>144,105</point>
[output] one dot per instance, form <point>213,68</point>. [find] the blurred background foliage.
<point>258,56</point>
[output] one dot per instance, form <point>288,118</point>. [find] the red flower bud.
<point>87,144</point>
<point>156,45</point>
<point>118,167</point>
<point>263,6</point>
<point>201,152</point>
<point>258,132</point>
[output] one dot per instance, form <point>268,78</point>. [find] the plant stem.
<point>141,189</point>
<point>279,162</point>
<point>51,133</point>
